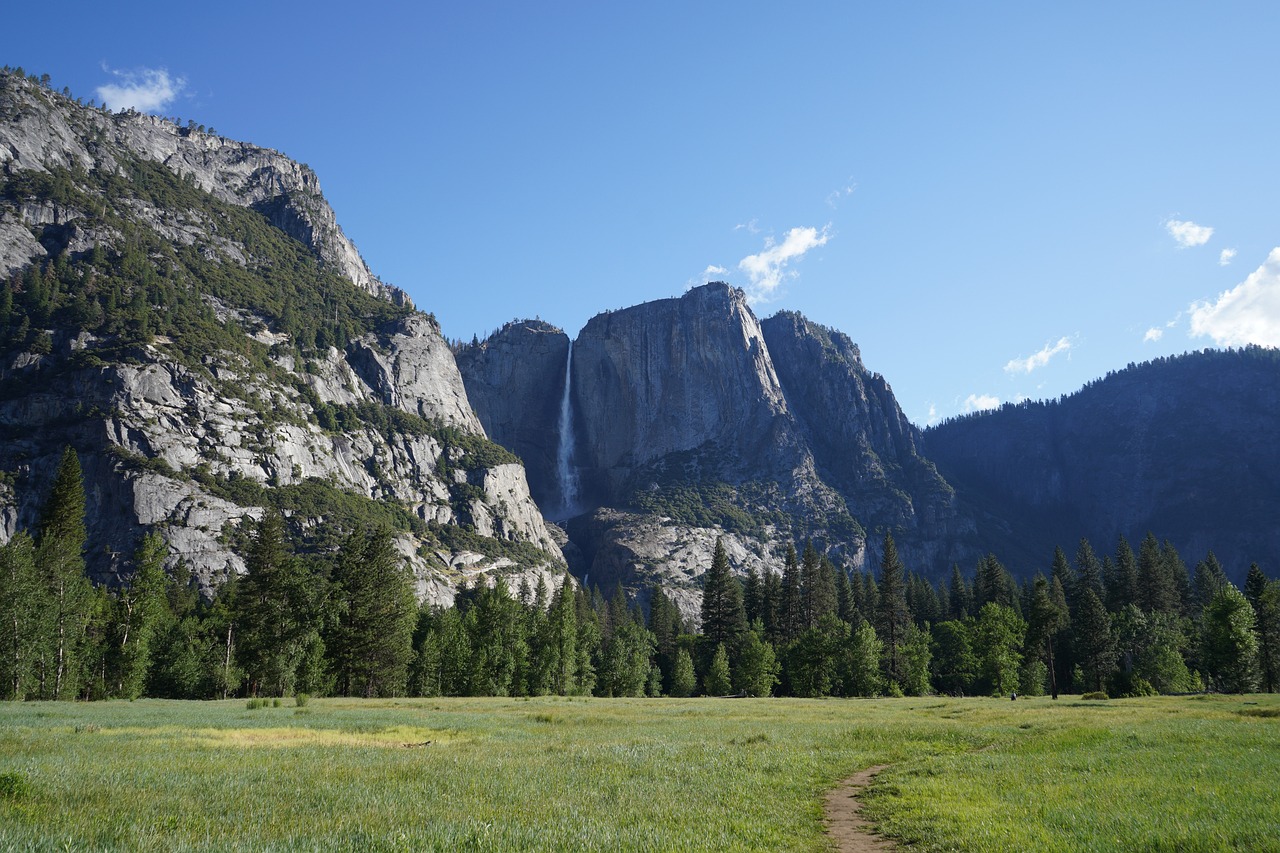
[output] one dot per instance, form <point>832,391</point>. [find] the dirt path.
<point>845,825</point>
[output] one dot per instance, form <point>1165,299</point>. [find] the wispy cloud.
<point>1187,233</point>
<point>1039,359</point>
<point>147,90</point>
<point>767,269</point>
<point>980,402</point>
<point>1226,256</point>
<point>1153,334</point>
<point>750,227</point>
<point>713,272</point>
<point>835,196</point>
<point>932,417</point>
<point>1249,313</point>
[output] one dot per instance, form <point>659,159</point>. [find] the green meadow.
<point>553,773</point>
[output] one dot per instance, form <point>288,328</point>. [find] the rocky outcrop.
<point>193,431</point>
<point>687,375</point>
<point>41,130</point>
<point>515,381</point>
<point>863,444</point>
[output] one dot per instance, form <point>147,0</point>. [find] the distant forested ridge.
<point>1185,445</point>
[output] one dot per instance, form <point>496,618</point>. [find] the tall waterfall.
<point>566,476</point>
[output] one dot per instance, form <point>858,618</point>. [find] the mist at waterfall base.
<point>566,474</point>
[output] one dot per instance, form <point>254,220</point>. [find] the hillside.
<point>1183,447</point>
<point>185,312</point>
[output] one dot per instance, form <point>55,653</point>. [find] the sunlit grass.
<point>579,774</point>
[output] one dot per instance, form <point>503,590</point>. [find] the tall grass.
<point>592,774</point>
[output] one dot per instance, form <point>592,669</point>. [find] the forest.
<point>346,622</point>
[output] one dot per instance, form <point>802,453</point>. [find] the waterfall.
<point>566,476</point>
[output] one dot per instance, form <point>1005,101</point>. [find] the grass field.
<point>590,774</point>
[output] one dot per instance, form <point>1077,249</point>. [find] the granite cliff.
<point>692,420</point>
<point>185,312</point>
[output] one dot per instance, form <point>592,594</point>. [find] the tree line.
<point>347,622</point>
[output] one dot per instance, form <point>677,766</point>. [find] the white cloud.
<point>980,402</point>
<point>834,197</point>
<point>1153,334</point>
<point>1249,313</point>
<point>1226,257</point>
<point>931,418</point>
<point>147,90</point>
<point>767,269</point>
<point>713,269</point>
<point>749,227</point>
<point>1039,359</point>
<point>1187,233</point>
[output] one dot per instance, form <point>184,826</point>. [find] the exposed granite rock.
<point>515,381</point>
<point>41,130</point>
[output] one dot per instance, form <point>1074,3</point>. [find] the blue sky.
<point>997,201</point>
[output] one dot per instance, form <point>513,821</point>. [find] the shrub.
<point>13,786</point>
<point>1097,694</point>
<point>301,700</point>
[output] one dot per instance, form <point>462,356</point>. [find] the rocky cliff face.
<point>696,421</point>
<point>515,380</point>
<point>1176,447</point>
<point>40,130</point>
<point>193,354</point>
<point>863,444</point>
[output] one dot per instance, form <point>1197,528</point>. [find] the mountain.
<point>690,419</point>
<point>184,311</point>
<point>1183,447</point>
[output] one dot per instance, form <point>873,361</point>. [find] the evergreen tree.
<point>277,609</point>
<point>961,594</point>
<point>817,586</point>
<point>892,614</point>
<point>1089,574</point>
<point>1209,579</point>
<point>814,659</point>
<point>723,617</point>
<point>560,646</point>
<point>1047,617</point>
<point>1096,648</point>
<point>1122,580</point>
<point>1157,592</point>
<point>1063,574</point>
<point>60,558</point>
<point>753,596</point>
<point>791,602</point>
<point>370,642</point>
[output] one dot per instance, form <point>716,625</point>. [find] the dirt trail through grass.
<point>845,825</point>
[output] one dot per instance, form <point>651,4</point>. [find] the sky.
<point>997,201</point>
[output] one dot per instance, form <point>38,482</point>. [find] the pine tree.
<point>1267,628</point>
<point>1122,581</point>
<point>791,604</point>
<point>723,617</point>
<point>1089,574</point>
<point>277,611</point>
<point>961,594</point>
<point>1096,648</point>
<point>1047,617</point>
<point>560,645</point>
<point>892,614</point>
<point>1157,592</point>
<point>817,587</point>
<point>370,642</point>
<point>1209,579</point>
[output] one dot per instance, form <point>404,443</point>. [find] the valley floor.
<point>551,773</point>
